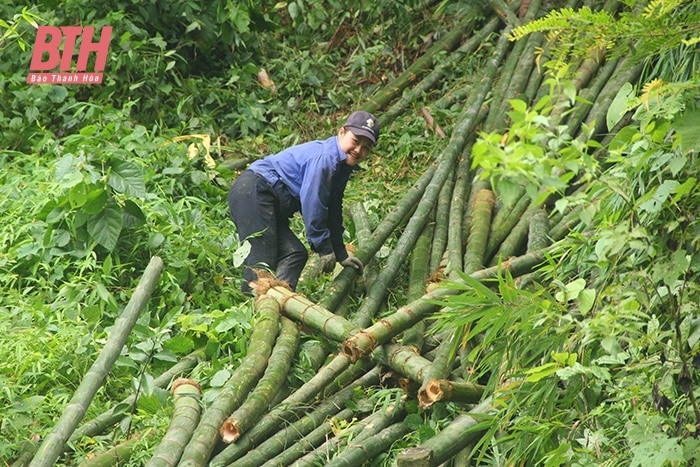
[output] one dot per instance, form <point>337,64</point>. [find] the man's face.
<point>356,147</point>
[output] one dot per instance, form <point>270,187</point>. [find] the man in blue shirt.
<point>311,178</point>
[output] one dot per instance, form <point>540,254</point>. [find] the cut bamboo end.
<point>358,346</point>
<point>185,381</point>
<point>265,282</point>
<point>431,393</point>
<point>230,431</point>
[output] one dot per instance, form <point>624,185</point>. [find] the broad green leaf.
<point>586,300</point>
<point>106,226</point>
<point>126,177</point>
<point>96,201</point>
<point>620,105</point>
<point>133,216</point>
<point>220,378</point>
<point>687,126</point>
<point>78,195</point>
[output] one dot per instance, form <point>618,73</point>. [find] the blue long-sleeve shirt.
<point>314,175</point>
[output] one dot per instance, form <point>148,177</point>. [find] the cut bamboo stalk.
<point>299,308</point>
<point>456,213</point>
<point>186,412</point>
<point>234,391</point>
<point>275,375</point>
<point>441,222</point>
<point>403,360</point>
<point>54,444</point>
<point>479,231</point>
<point>454,391</point>
<point>116,455</point>
<point>503,222</point>
<point>418,273</point>
<point>100,423</point>
<point>440,369</point>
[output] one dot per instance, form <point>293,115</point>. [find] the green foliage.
<point>647,28</point>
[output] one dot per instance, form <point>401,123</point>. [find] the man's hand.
<point>327,262</point>
<point>353,262</point>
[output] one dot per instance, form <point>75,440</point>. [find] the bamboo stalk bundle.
<point>278,442</point>
<point>259,399</point>
<point>503,222</point>
<point>53,445</point>
<point>363,342</point>
<point>309,443</point>
<point>357,454</point>
<point>417,68</point>
<point>265,331</point>
<point>357,432</point>
<point>446,444</point>
<point>186,412</point>
<point>289,409</point>
<point>468,47</point>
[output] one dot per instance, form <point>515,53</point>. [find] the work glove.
<point>353,262</point>
<point>327,262</point>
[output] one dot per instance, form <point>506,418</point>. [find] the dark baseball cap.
<point>364,123</point>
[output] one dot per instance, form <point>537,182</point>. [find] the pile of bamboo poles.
<point>447,224</point>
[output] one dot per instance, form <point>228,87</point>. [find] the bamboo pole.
<point>418,272</point>
<point>259,399</point>
<point>265,331</point>
<point>358,454</point>
<point>455,391</point>
<point>479,231</point>
<point>301,309</point>
<point>441,222</point>
<point>54,444</point>
<point>116,455</point>
<point>456,213</point>
<point>186,412</point>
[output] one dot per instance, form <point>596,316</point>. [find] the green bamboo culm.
<point>301,309</point>
<point>237,387</point>
<point>54,443</point>
<point>260,398</point>
<point>479,231</point>
<point>187,409</point>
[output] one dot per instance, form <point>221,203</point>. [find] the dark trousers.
<point>260,219</point>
